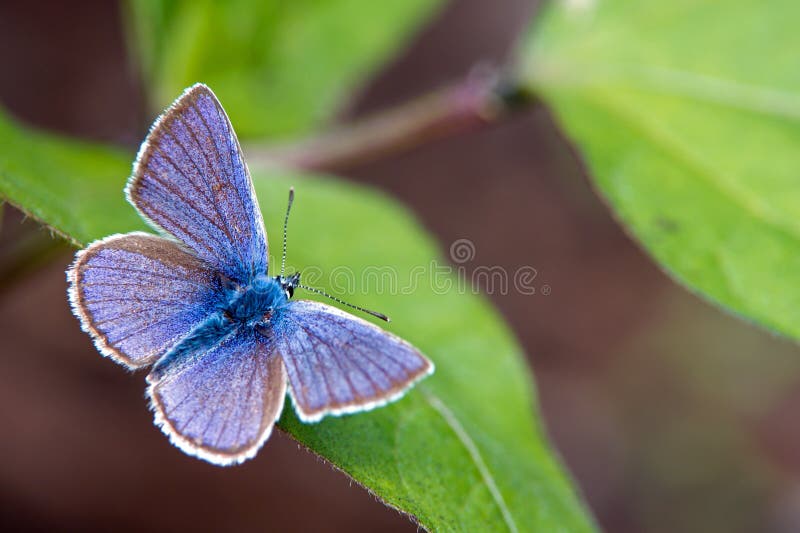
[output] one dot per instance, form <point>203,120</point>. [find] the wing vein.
<point>224,220</point>
<point>338,363</point>
<point>223,118</point>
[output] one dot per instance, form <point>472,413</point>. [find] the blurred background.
<point>670,414</point>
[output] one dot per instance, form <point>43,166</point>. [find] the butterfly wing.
<point>190,180</point>
<point>337,363</point>
<point>137,294</point>
<point>223,405</point>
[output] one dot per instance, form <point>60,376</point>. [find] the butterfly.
<point>224,340</point>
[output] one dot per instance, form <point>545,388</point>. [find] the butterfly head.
<point>289,283</point>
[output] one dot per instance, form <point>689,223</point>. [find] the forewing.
<point>337,363</point>
<point>190,180</point>
<point>222,407</point>
<point>137,295</point>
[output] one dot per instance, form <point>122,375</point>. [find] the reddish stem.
<point>474,103</point>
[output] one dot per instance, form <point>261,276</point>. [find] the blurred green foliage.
<point>688,116</point>
<point>70,185</point>
<point>279,67</point>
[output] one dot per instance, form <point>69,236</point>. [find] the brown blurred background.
<point>670,414</point>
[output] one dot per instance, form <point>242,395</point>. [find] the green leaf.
<point>72,186</point>
<point>687,114</point>
<point>279,67</point>
<point>465,449</point>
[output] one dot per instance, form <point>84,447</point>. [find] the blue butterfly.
<point>223,338</point>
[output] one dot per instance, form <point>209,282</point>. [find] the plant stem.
<point>477,101</point>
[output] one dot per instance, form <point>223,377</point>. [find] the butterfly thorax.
<point>253,304</point>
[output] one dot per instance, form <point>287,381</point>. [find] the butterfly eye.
<point>267,315</point>
<point>290,283</point>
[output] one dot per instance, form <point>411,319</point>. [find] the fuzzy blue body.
<point>250,310</point>
<point>254,304</point>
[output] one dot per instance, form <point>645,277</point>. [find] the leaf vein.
<point>475,454</point>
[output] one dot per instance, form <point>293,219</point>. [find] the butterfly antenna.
<point>335,299</point>
<point>285,228</point>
